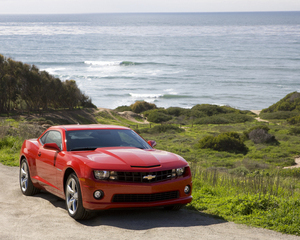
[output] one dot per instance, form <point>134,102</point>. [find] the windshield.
<point>92,139</point>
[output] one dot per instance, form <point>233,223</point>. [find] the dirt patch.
<point>297,165</point>
<point>257,112</point>
<point>131,116</point>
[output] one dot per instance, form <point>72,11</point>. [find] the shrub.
<point>177,111</point>
<point>202,110</point>
<point>165,128</point>
<point>141,106</point>
<point>239,171</point>
<point>261,136</point>
<point>294,131</point>
<point>158,116</point>
<point>279,115</point>
<point>294,120</point>
<point>8,141</point>
<point>290,102</point>
<point>224,119</point>
<point>246,133</point>
<point>123,108</point>
<point>229,142</point>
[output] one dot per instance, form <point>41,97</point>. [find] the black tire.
<point>74,199</point>
<point>174,207</point>
<point>26,184</point>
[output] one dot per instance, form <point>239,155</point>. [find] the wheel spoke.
<point>74,204</point>
<point>23,172</point>
<point>70,190</point>
<point>70,203</point>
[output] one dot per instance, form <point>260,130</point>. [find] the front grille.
<point>144,177</point>
<point>145,197</point>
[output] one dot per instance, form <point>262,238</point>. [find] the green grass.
<point>261,200</point>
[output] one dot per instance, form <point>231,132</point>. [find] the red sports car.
<point>96,167</point>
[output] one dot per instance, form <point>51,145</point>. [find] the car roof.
<point>87,127</point>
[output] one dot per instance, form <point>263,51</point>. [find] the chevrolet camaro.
<point>98,167</point>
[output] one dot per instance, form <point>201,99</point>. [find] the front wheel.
<point>26,184</point>
<point>74,199</point>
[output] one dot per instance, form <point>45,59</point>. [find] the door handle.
<point>39,154</point>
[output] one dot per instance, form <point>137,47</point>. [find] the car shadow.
<point>148,218</point>
<point>140,218</point>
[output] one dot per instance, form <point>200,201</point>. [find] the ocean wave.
<point>145,95</point>
<point>176,96</point>
<point>157,95</point>
<point>53,70</point>
<point>129,63</point>
<point>118,63</point>
<point>102,63</point>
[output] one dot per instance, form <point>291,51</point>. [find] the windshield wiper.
<point>83,148</point>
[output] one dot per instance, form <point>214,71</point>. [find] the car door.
<point>46,159</point>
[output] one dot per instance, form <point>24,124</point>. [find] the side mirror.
<point>52,146</point>
<point>152,143</point>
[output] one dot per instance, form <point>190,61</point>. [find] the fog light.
<point>187,189</point>
<point>98,194</point>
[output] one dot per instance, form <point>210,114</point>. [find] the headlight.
<point>101,175</point>
<point>180,171</point>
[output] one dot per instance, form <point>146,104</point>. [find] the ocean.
<point>243,60</point>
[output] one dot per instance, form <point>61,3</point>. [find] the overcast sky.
<point>116,6</point>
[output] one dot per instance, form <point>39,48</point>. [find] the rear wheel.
<point>26,184</point>
<point>74,199</point>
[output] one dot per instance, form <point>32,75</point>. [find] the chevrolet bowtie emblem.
<point>149,177</point>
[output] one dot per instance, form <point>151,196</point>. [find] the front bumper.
<point>88,187</point>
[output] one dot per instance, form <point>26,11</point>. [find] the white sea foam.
<point>53,70</point>
<point>102,63</point>
<point>145,95</point>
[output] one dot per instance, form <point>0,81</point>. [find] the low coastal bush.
<point>201,110</point>
<point>199,114</point>
<point>141,106</point>
<point>123,108</point>
<point>279,115</point>
<point>164,128</point>
<point>177,111</point>
<point>224,119</point>
<point>246,133</point>
<point>294,131</point>
<point>290,102</point>
<point>229,142</point>
<point>294,120</point>
<point>157,116</point>
<point>259,134</point>
<point>239,171</point>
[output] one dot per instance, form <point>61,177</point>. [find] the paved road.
<point>44,217</point>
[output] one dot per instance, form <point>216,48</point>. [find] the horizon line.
<point>87,13</point>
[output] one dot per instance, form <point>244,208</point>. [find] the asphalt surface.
<point>43,216</point>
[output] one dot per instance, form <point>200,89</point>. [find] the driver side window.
<point>52,137</point>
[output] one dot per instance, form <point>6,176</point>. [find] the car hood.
<point>130,158</point>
